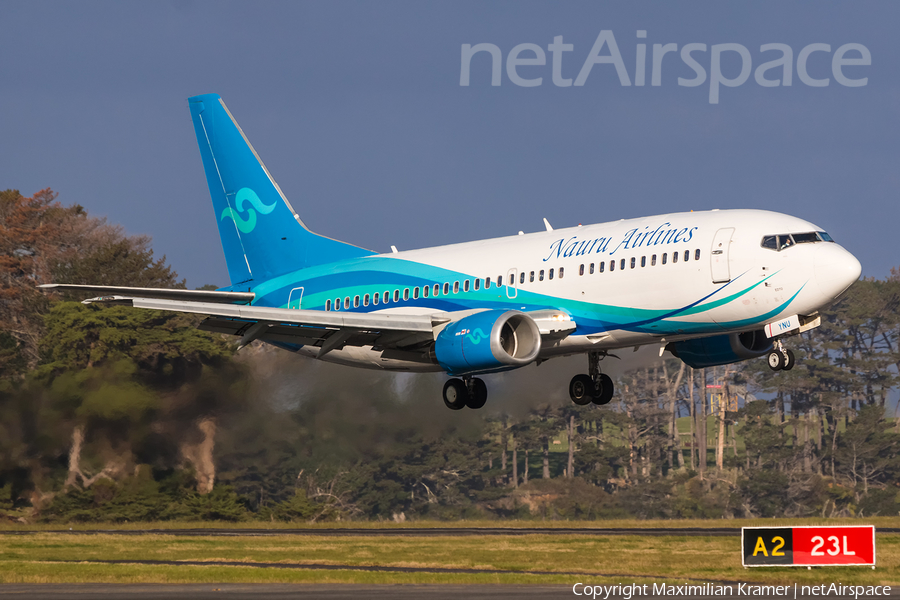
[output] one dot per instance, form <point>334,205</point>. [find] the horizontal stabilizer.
<point>163,294</point>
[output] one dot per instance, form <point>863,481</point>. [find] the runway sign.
<point>808,546</point>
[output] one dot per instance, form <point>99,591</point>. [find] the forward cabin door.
<point>718,256</point>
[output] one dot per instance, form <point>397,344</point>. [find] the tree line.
<point>114,414</point>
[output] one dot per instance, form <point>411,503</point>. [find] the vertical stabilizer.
<point>261,234</point>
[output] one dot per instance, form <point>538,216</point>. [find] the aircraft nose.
<point>836,270</point>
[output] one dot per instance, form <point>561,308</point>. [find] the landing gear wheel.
<point>455,394</point>
<point>788,360</point>
<point>477,395</point>
<point>776,360</point>
<point>581,390</point>
<point>605,389</point>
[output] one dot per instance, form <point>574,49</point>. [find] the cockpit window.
<point>805,238</point>
<point>786,240</point>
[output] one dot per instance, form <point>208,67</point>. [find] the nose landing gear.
<point>468,391</point>
<point>781,358</point>
<point>596,387</point>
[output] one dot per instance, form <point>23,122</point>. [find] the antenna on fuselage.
<point>547,224</point>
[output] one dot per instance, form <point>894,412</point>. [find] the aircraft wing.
<point>168,294</point>
<point>326,330</point>
<point>406,336</point>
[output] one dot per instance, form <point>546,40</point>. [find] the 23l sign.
<point>808,546</point>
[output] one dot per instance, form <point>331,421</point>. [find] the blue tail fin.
<point>261,234</point>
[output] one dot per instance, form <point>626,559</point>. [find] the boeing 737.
<point>712,287</point>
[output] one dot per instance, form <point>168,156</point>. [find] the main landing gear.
<point>596,387</point>
<point>780,358</point>
<point>468,391</point>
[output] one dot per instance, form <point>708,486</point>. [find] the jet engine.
<point>493,340</point>
<point>721,349</point>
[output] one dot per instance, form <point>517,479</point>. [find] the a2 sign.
<point>808,546</point>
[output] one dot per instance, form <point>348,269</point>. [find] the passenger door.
<point>718,255</point>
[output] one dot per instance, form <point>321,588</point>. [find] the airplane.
<point>712,287</point>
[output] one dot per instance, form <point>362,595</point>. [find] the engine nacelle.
<point>492,340</point>
<point>721,349</point>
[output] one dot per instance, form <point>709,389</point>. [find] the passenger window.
<point>522,277</point>
<point>770,242</point>
<point>643,261</point>
<point>366,300</point>
<point>541,275</point>
<point>697,254</point>
<point>466,285</point>
<point>531,277</point>
<point>674,257</point>
<point>347,303</point>
<point>551,274</point>
<point>653,261</point>
<point>612,266</point>
<point>665,255</point>
<point>436,289</point>
<point>581,270</point>
<point>633,262</point>
<point>406,293</point>
<point>477,284</point>
<point>356,302</point>
<point>446,288</point>
<point>396,295</point>
<point>512,279</point>
<point>487,283</point>
<point>602,266</point>
<point>562,271</point>
<point>386,298</point>
<point>687,255</point>
<point>416,293</point>
<point>499,280</point>
<point>337,304</point>
<point>328,305</point>
<point>375,298</point>
<point>622,265</point>
<point>591,270</point>
<point>425,290</point>
<point>455,287</point>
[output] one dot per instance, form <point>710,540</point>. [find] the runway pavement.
<point>414,531</point>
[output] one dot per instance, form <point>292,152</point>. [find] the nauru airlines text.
<point>564,248</point>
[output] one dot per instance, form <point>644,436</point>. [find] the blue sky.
<point>358,111</point>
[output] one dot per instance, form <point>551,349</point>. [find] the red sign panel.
<point>808,546</point>
<point>834,545</point>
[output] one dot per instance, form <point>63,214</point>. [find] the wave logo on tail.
<point>243,196</point>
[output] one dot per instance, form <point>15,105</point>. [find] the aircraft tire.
<point>606,391</point>
<point>455,394</point>
<point>776,360</point>
<point>789,360</point>
<point>478,396</point>
<point>581,390</point>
